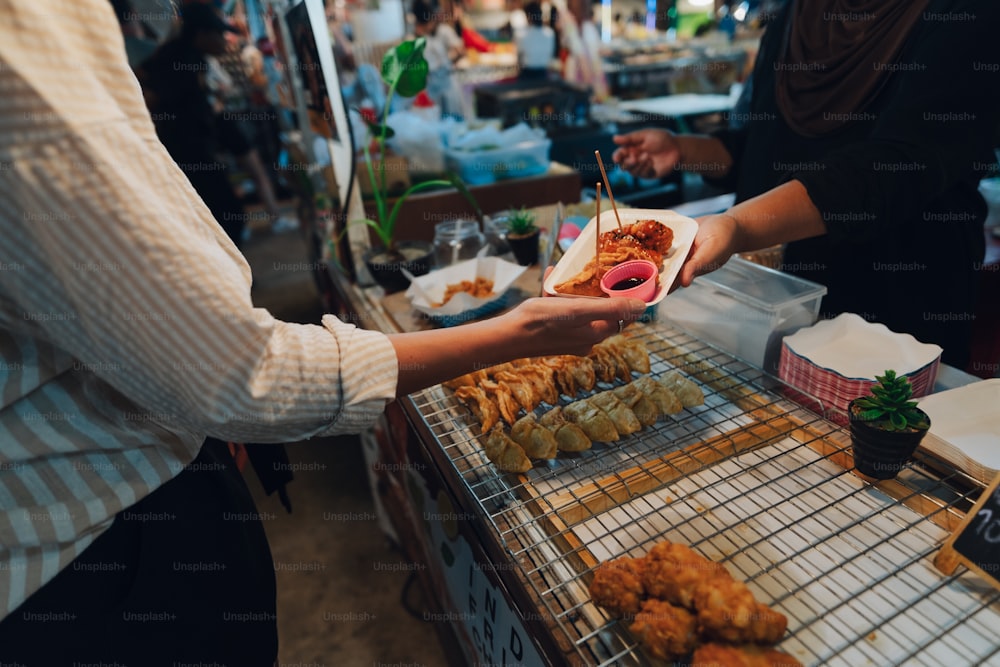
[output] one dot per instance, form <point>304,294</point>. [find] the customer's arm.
<point>538,327</point>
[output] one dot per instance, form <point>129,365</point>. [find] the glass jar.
<point>455,241</point>
<point>497,225</point>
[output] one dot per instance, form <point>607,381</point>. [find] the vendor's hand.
<point>648,153</point>
<point>714,243</point>
<point>561,325</point>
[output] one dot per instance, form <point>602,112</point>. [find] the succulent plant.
<point>521,222</point>
<point>889,407</point>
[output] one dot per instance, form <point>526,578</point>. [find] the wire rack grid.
<point>757,482</point>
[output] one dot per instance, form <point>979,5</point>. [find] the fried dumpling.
<point>537,441</point>
<point>687,391</point>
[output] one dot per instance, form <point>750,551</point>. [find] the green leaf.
<point>376,130</point>
<point>897,420</point>
<point>404,68</point>
<point>459,185</point>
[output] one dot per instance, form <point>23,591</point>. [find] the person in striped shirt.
<point>128,337</point>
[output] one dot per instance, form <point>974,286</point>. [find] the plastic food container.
<point>746,309</point>
<point>482,166</point>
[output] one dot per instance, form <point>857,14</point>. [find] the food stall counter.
<point>749,478</point>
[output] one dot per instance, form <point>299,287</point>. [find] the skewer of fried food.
<point>597,222</point>
<point>607,185</point>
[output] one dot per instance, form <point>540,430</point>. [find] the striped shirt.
<point>127,332</point>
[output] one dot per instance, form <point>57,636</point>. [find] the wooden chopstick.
<point>607,185</point>
<point>597,222</point>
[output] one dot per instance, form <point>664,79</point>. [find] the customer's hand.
<point>714,243</point>
<point>565,325</point>
<point>648,153</point>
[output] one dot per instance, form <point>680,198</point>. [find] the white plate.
<point>854,348</point>
<point>582,250</point>
<point>430,288</point>
<point>968,418</point>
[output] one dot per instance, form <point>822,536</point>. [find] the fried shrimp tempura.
<point>666,631</point>
<point>725,655</point>
<point>617,586</point>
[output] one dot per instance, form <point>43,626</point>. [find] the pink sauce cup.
<point>634,279</point>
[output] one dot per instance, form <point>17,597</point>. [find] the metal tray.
<point>757,482</point>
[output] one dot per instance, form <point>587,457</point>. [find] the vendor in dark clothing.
<point>869,127</point>
<point>173,82</point>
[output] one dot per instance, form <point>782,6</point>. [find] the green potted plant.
<point>404,71</point>
<point>522,236</point>
<point>886,426</point>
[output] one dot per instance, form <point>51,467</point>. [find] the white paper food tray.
<point>583,248</point>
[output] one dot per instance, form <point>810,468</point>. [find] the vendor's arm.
<point>783,214</point>
<point>654,153</point>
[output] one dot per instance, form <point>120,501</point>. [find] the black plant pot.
<point>417,257</point>
<point>525,248</point>
<point>878,453</point>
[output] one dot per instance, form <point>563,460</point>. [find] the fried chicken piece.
<point>621,415</point>
<point>504,452</point>
<point>686,390</point>
<point>503,398</point>
<point>569,436</point>
<point>592,420</point>
<point>536,440</point>
<point>675,571</point>
<point>667,632</point>
<point>747,655</point>
<point>644,408</point>
<point>727,611</point>
<point>481,405</point>
<point>617,586</point>
<point>666,401</point>
<point>521,388</point>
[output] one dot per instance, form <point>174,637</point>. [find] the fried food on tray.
<point>504,452</point>
<point>727,611</point>
<point>480,288</point>
<point>666,401</point>
<point>573,374</point>
<point>686,390</point>
<point>504,399</point>
<point>537,441</point>
<point>634,351</point>
<point>673,578</point>
<point>675,571</point>
<point>625,421</point>
<point>643,408</point>
<point>645,239</point>
<point>520,387</point>
<point>617,586</point>
<point>592,420</point>
<point>747,655</point>
<point>569,436</point>
<point>481,405</point>
<point>666,631</point>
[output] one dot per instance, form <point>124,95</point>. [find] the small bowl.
<point>642,269</point>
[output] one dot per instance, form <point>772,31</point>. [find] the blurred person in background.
<point>536,45</point>
<point>175,85</point>
<point>444,49</point>
<point>128,339</point>
<point>242,110</point>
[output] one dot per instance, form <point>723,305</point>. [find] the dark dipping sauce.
<point>628,283</point>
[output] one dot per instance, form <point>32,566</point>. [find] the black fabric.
<point>897,185</point>
<point>184,576</point>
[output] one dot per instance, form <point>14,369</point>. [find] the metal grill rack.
<point>757,482</point>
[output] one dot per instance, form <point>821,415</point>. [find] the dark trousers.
<point>183,576</point>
